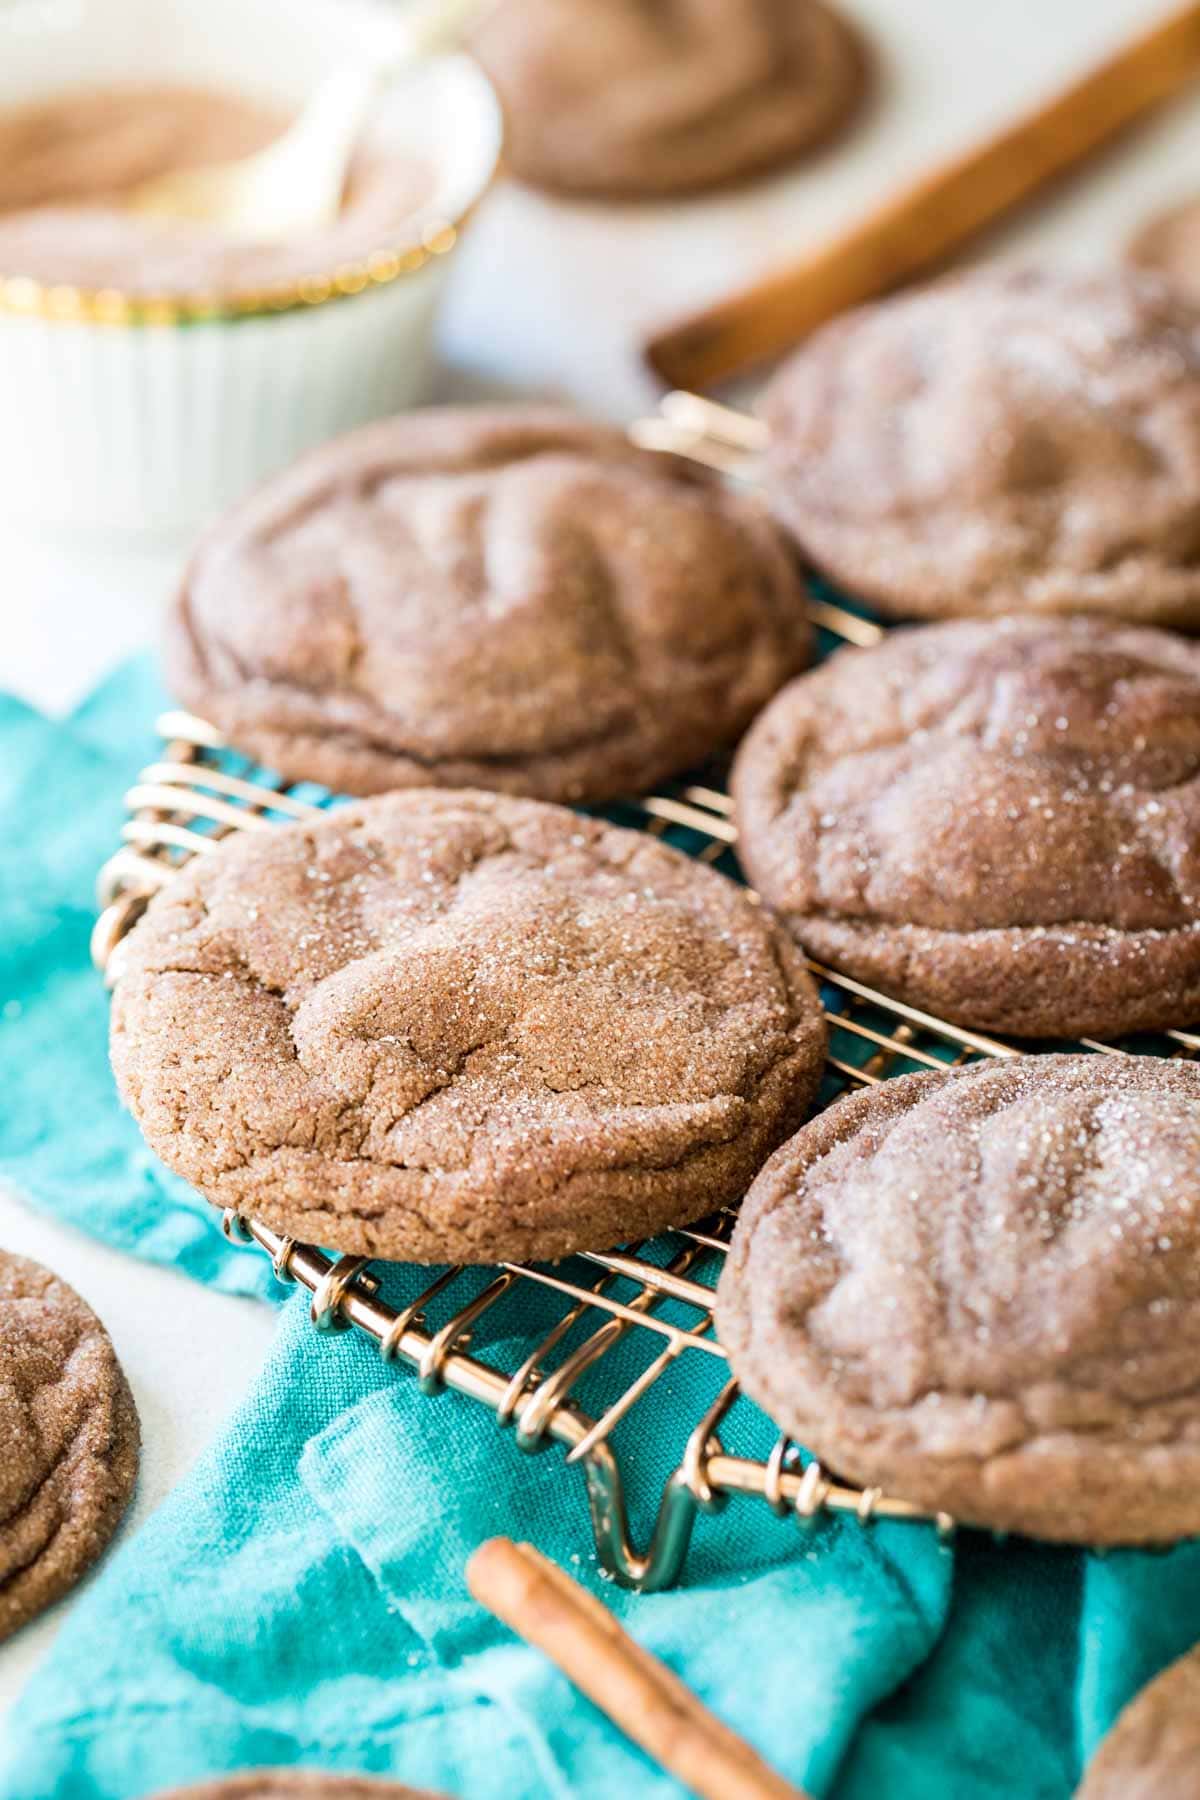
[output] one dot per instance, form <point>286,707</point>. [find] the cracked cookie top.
<point>981,1291</point>
<point>70,1439</point>
<point>1013,442</point>
<point>508,599</point>
<point>995,819</point>
<point>462,1027</point>
<point>631,98</point>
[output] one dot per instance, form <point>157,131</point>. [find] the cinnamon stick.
<point>652,1706</point>
<point>925,221</point>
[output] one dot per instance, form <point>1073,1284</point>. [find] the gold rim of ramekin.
<point>23,296</point>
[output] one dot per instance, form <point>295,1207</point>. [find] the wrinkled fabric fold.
<point>65,1142</point>
<point>300,1599</point>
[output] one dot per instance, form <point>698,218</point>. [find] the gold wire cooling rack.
<point>612,1330</point>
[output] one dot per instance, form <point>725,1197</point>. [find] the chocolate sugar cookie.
<point>296,1784</point>
<point>506,599</point>
<point>1153,1750</point>
<point>629,99</point>
<point>981,1292</point>
<point>1170,246</point>
<point>70,1439</point>
<point>1013,442</point>
<point>995,820</point>
<point>462,1027</point>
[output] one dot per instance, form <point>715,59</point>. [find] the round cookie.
<point>302,1784</point>
<point>623,99</point>
<point>1153,1750</point>
<point>1169,245</point>
<point>70,1436</point>
<point>997,821</point>
<point>461,1027</point>
<point>1013,442</point>
<point>980,1291</point>
<point>513,599</point>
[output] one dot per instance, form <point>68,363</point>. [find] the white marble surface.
<point>553,298</point>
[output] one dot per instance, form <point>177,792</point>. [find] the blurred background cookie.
<point>512,599</point>
<point>1005,442</point>
<point>459,1027</point>
<point>629,99</point>
<point>70,1439</point>
<point>977,1290</point>
<point>1169,244</point>
<point>994,820</point>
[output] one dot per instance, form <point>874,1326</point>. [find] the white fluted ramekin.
<point>150,413</point>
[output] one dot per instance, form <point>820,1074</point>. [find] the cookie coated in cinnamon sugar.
<point>70,1438</point>
<point>994,820</point>
<point>461,1027</point>
<point>506,598</point>
<point>628,99</point>
<point>980,1291</point>
<point>1012,441</point>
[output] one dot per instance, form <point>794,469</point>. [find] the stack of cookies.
<point>457,1020</point>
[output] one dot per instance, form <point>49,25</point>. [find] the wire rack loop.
<point>330,1292</point>
<point>281,1259</point>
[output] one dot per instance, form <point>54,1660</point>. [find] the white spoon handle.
<point>296,183</point>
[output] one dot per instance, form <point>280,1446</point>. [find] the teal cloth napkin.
<point>63,1139</point>
<point>299,1598</point>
